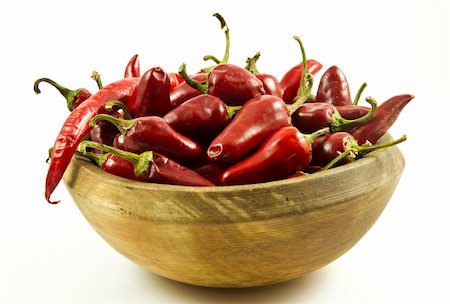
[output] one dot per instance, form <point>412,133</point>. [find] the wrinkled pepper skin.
<point>234,85</point>
<point>333,88</point>
<point>385,116</point>
<point>152,94</point>
<point>290,82</point>
<point>253,124</point>
<point>285,152</point>
<point>200,118</point>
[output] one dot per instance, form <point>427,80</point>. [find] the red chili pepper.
<point>183,91</point>
<point>341,147</point>
<point>152,133</point>
<point>112,163</point>
<point>133,69</point>
<point>77,126</point>
<point>351,112</point>
<point>334,88</point>
<point>73,97</point>
<point>255,122</point>
<point>232,84</point>
<point>387,113</point>
<point>285,152</point>
<point>207,168</point>
<point>311,117</point>
<point>150,167</point>
<point>152,94</point>
<point>200,118</point>
<point>175,79</point>
<point>290,82</point>
<point>270,83</point>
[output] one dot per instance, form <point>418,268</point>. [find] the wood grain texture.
<point>237,236</point>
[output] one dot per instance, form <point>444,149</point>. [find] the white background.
<point>49,254</point>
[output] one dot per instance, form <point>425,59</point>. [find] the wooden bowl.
<point>237,236</point>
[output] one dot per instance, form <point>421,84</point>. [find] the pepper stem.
<point>98,158</point>
<point>97,78</point>
<point>117,103</point>
<point>211,57</point>
<point>232,110</point>
<point>203,86</point>
<point>336,160</point>
<point>358,94</point>
<point>311,137</point>
<point>139,161</point>
<point>251,64</point>
<point>121,124</point>
<point>224,26</point>
<point>306,82</point>
<point>339,123</point>
<point>68,94</point>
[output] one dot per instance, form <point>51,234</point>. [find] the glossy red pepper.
<point>112,163</point>
<point>255,122</point>
<point>200,118</point>
<point>73,97</point>
<point>184,91</point>
<point>152,133</point>
<point>77,126</point>
<point>270,83</point>
<point>285,152</point>
<point>133,68</point>
<point>387,113</point>
<point>232,84</point>
<point>152,94</point>
<point>340,148</point>
<point>149,167</point>
<point>352,112</point>
<point>333,88</point>
<point>290,82</point>
<point>311,117</point>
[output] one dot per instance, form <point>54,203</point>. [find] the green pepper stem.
<point>68,94</point>
<point>224,26</point>
<point>369,147</point>
<point>117,103</point>
<point>358,94</point>
<point>211,57</point>
<point>336,160</point>
<point>232,110</point>
<point>139,161</point>
<point>311,137</point>
<point>339,123</point>
<point>98,158</point>
<point>97,78</point>
<point>121,124</point>
<point>251,64</point>
<point>306,82</point>
<point>203,86</point>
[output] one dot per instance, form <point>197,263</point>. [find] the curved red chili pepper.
<point>333,88</point>
<point>152,94</point>
<point>200,118</point>
<point>285,152</point>
<point>290,82</point>
<point>152,133</point>
<point>387,113</point>
<point>148,166</point>
<point>77,126</point>
<point>132,69</point>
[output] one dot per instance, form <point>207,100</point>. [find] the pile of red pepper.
<point>225,125</point>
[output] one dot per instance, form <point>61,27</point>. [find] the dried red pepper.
<point>77,126</point>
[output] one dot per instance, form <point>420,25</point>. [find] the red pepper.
<point>334,88</point>
<point>311,117</point>
<point>351,112</point>
<point>112,163</point>
<point>200,118</point>
<point>152,133</point>
<point>207,168</point>
<point>285,152</point>
<point>77,126</point>
<point>184,91</point>
<point>270,83</point>
<point>290,82</point>
<point>175,79</point>
<point>149,167</point>
<point>387,113</point>
<point>73,97</point>
<point>133,69</point>
<point>232,84</point>
<point>340,148</point>
<point>255,122</point>
<point>152,94</point>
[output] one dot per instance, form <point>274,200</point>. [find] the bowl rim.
<point>366,160</point>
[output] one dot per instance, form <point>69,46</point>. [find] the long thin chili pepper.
<point>133,68</point>
<point>77,126</point>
